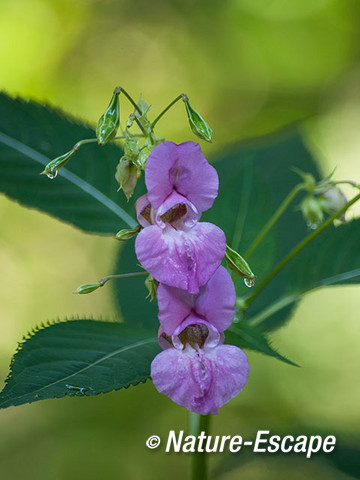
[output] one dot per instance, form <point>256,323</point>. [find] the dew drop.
<point>52,174</point>
<point>249,282</point>
<point>312,226</point>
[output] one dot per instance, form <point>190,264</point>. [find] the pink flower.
<point>196,370</point>
<point>174,247</point>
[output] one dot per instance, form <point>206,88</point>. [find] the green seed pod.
<point>197,123</point>
<point>51,169</point>
<point>151,284</point>
<point>87,288</point>
<point>238,265</point>
<point>127,233</point>
<point>127,176</point>
<point>109,122</point>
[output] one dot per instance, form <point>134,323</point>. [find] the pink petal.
<point>181,259</point>
<point>171,372</point>
<point>230,370</point>
<point>202,381</point>
<point>214,302</point>
<point>174,307</point>
<point>182,168</point>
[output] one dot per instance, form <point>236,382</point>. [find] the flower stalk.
<point>199,465</point>
<point>271,222</point>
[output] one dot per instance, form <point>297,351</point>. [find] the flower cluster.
<point>196,295</point>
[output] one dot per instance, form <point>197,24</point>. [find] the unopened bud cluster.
<point>137,145</point>
<point>323,198</point>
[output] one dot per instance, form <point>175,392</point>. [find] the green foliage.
<point>248,336</point>
<point>254,180</point>
<point>333,258</point>
<point>131,293</point>
<point>253,183</point>
<point>84,193</point>
<point>78,357</point>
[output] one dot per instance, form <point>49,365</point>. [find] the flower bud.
<point>51,169</point>
<point>127,233</point>
<point>151,284</point>
<point>333,200</point>
<point>312,211</point>
<point>109,122</point>
<point>87,288</point>
<point>238,265</point>
<point>126,176</point>
<point>197,123</point>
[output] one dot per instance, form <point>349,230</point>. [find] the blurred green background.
<point>250,67</point>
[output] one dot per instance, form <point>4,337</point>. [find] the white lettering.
<point>260,440</point>
<point>329,441</point>
<point>235,444</point>
<point>172,439</point>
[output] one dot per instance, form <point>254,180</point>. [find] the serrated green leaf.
<point>247,336</point>
<point>85,191</point>
<point>78,357</point>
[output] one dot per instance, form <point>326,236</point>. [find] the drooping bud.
<point>151,284</point>
<point>87,288</point>
<point>126,176</point>
<point>127,233</point>
<point>51,169</point>
<point>109,122</point>
<point>333,200</point>
<point>197,123</point>
<point>312,210</point>
<point>238,264</point>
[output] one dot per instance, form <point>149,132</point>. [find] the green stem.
<point>138,123</point>
<point>120,275</point>
<point>83,142</point>
<point>121,90</point>
<point>348,182</point>
<point>166,109</point>
<point>199,423</point>
<point>298,249</point>
<point>273,220</point>
<point>80,143</point>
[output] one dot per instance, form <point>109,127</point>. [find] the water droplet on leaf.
<point>52,175</point>
<point>249,282</point>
